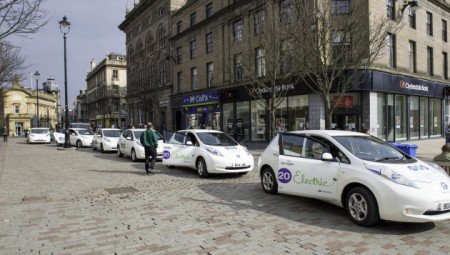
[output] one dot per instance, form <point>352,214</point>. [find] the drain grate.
<point>121,190</point>
<point>27,199</point>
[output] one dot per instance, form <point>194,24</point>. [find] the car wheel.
<point>169,166</point>
<point>101,148</point>
<point>269,181</point>
<point>93,147</point>
<point>201,168</point>
<point>79,144</point>
<point>119,153</point>
<point>362,207</point>
<point>133,155</point>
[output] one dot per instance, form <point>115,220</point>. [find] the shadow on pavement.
<point>250,196</point>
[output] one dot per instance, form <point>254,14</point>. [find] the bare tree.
<point>111,102</point>
<point>11,63</point>
<point>267,62</point>
<point>21,18</point>
<point>335,45</point>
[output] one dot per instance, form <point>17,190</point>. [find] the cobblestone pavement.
<point>57,202</point>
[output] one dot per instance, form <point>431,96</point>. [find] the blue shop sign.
<point>205,98</point>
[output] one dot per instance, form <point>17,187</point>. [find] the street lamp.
<point>36,76</point>
<point>64,26</point>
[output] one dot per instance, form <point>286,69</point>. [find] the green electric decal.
<point>300,178</point>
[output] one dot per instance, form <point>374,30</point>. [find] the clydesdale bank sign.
<point>411,86</point>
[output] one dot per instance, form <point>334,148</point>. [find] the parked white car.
<point>39,135</point>
<point>207,151</point>
<point>81,137</point>
<point>106,139</point>
<point>368,177</point>
<point>130,144</point>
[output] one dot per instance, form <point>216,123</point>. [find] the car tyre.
<point>169,166</point>
<point>201,168</point>
<point>119,153</point>
<point>362,207</point>
<point>101,148</point>
<point>269,181</point>
<point>93,147</point>
<point>79,144</point>
<point>133,155</point>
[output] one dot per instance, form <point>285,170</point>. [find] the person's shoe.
<point>146,171</point>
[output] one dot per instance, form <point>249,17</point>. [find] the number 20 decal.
<point>284,175</point>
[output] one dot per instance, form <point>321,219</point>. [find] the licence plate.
<point>240,165</point>
<point>445,206</point>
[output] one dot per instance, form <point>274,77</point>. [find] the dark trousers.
<point>150,152</point>
<point>5,138</point>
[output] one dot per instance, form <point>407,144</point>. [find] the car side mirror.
<point>327,156</point>
<point>99,135</point>
<point>189,143</point>
<point>129,138</point>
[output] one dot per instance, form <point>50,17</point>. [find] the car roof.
<point>201,130</point>
<point>329,132</point>
<point>40,128</point>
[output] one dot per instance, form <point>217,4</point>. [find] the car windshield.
<point>39,130</point>
<point>217,139</point>
<point>111,133</point>
<point>80,125</point>
<point>371,149</point>
<point>137,134</point>
<point>85,132</point>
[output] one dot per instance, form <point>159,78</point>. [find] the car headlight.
<point>392,175</point>
<point>214,151</point>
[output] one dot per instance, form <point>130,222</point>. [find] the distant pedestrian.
<point>445,155</point>
<point>5,134</point>
<point>149,139</point>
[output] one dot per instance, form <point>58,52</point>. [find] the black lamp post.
<point>64,26</point>
<point>36,76</point>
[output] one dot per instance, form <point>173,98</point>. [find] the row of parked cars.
<point>371,179</point>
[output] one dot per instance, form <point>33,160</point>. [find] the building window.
<point>115,75</point>
<point>341,43</point>
<point>340,7</point>
<point>180,82</point>
<point>286,10</point>
<point>209,74</point>
<point>390,4</point>
<point>429,24</point>
<point>179,58</point>
<point>237,68</point>
<point>445,65</point>
<point>193,18</point>
<point>193,47</point>
<point>412,57</point>
<point>260,17</point>
<point>162,11</point>
<point>430,61</point>
<point>162,72</point>
<point>237,30</point>
<point>209,43</point>
<point>194,82</point>
<point>260,63</point>
<point>444,30</point>
<point>16,108</point>
<point>209,10</point>
<point>179,27</point>
<point>412,18</point>
<point>391,43</point>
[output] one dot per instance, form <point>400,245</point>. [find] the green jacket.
<point>149,138</point>
<point>444,156</point>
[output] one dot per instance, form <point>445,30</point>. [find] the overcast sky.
<point>93,32</point>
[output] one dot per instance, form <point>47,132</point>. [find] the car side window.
<point>334,150</point>
<point>292,145</point>
<point>177,138</point>
<point>315,149</point>
<point>191,137</point>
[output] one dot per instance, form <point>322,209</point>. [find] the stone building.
<point>147,29</point>
<point>105,93</point>
<point>18,108</point>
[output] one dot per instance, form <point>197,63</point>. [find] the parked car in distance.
<point>106,139</point>
<point>129,144</point>
<point>207,151</point>
<point>369,178</point>
<point>39,135</point>
<point>81,137</point>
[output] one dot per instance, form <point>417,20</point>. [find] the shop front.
<point>198,110</point>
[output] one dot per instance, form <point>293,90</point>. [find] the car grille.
<point>435,212</point>
<point>236,168</point>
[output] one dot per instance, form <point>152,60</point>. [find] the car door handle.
<point>287,163</point>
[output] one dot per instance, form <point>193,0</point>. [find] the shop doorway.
<point>345,122</point>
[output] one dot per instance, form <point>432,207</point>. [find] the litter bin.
<point>409,149</point>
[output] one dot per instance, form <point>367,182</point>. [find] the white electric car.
<point>106,139</point>
<point>368,177</point>
<point>129,144</point>
<point>39,135</point>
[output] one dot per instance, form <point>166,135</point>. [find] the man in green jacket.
<point>149,139</point>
